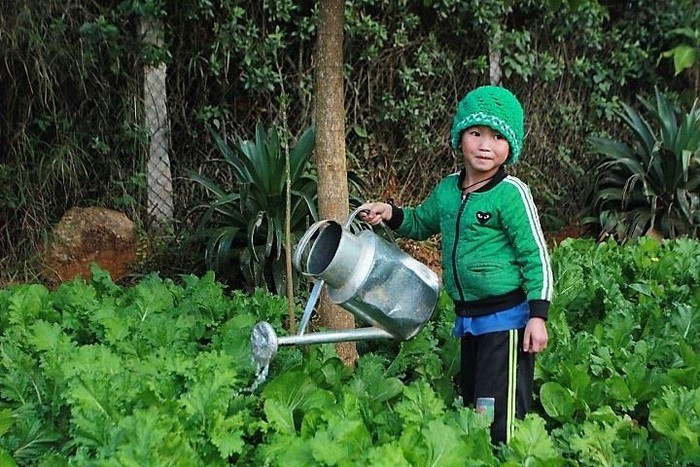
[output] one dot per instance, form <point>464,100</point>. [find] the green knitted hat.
<point>494,107</point>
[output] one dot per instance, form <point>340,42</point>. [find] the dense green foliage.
<point>248,220</point>
<point>245,219</point>
<point>159,374</point>
<point>72,131</point>
<point>686,54</point>
<point>622,378</point>
<point>654,182</point>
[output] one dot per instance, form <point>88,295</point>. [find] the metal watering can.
<point>366,275</point>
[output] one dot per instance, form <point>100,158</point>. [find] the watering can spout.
<point>265,342</point>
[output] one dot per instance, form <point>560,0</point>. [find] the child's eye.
<point>474,133</point>
<point>498,136</point>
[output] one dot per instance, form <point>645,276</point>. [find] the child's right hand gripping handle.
<point>375,213</point>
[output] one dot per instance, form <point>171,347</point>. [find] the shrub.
<point>246,220</point>
<point>653,181</point>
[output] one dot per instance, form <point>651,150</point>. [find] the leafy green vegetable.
<point>676,416</point>
<point>531,445</point>
<point>159,373</point>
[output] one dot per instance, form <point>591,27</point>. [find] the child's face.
<point>484,149</point>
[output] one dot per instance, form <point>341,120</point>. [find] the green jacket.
<point>494,254</point>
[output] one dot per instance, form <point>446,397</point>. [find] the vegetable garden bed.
<point>159,374</point>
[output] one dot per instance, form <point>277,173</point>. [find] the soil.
<point>427,252</point>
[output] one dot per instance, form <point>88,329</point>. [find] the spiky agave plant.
<point>653,181</point>
<point>246,220</point>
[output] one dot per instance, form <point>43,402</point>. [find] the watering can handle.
<point>354,214</point>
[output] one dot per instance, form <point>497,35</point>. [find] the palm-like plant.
<point>247,220</point>
<point>652,182</point>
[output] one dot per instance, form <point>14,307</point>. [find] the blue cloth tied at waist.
<point>510,318</point>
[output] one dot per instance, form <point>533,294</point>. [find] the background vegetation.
<point>71,132</point>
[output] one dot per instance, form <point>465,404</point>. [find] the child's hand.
<point>536,338</point>
<point>374,213</point>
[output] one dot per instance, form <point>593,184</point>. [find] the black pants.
<point>494,365</point>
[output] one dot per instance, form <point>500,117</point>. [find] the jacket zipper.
<point>454,247</point>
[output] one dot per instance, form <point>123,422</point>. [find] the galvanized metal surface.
<point>388,288</point>
<point>375,280</point>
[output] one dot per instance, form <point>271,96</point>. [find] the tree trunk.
<point>158,175</point>
<point>330,147</point>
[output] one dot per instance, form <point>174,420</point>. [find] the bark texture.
<point>330,147</point>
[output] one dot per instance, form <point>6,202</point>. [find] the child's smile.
<point>484,149</point>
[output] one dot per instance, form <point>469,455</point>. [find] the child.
<point>495,262</point>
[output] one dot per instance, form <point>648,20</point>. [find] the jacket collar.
<point>500,175</point>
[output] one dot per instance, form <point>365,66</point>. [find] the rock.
<point>87,235</point>
<point>655,234</point>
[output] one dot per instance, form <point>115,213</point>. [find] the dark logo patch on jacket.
<point>483,217</point>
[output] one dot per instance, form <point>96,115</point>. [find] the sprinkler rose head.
<point>263,342</point>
